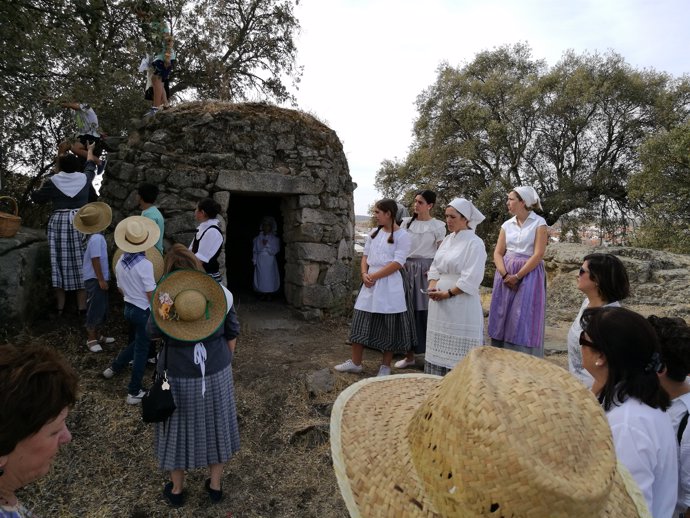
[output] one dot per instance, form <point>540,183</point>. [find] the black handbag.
<point>158,403</point>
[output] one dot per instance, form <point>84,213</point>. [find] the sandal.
<point>94,346</point>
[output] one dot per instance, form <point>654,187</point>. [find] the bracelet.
<point>504,275</point>
<point>450,293</point>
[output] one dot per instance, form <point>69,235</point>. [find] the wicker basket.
<point>9,223</point>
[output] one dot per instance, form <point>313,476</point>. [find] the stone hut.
<point>256,160</point>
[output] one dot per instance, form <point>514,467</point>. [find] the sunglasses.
<point>582,272</point>
<point>584,341</point>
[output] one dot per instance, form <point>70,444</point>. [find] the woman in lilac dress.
<point>516,316</point>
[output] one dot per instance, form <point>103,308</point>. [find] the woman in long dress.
<point>426,233</point>
<point>456,320</point>
<point>518,300</point>
<point>382,318</point>
<point>266,246</point>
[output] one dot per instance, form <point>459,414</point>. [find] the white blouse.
<point>425,236</point>
<point>464,254</point>
<point>646,445</point>
<point>678,408</point>
<point>520,239</point>
<point>387,295</point>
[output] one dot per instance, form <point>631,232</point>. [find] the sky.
<point>366,61</point>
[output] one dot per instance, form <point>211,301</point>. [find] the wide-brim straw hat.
<point>136,234</point>
<point>198,305</point>
<point>153,255</point>
<point>503,434</point>
<point>93,217</point>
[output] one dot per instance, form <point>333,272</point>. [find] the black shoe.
<point>172,499</point>
<point>216,495</point>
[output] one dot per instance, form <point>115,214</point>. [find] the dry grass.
<point>284,466</point>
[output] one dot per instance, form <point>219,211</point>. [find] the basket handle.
<point>14,203</point>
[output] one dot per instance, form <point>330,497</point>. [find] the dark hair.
<point>610,274</point>
<point>386,205</point>
<point>148,192</point>
<point>179,257</point>
<point>36,384</point>
<point>429,197</point>
<point>70,163</point>
<point>632,355</point>
<point>674,343</point>
<point>210,206</point>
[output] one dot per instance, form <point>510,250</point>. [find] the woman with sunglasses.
<point>604,281</point>
<point>621,351</point>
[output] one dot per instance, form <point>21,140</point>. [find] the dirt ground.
<point>284,466</point>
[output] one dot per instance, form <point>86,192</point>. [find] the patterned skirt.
<point>67,248</point>
<point>203,430</point>
<point>384,332</point>
<point>517,318</point>
<point>415,272</point>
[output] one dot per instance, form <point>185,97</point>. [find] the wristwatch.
<point>450,294</point>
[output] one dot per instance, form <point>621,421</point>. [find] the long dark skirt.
<point>415,272</point>
<point>67,247</point>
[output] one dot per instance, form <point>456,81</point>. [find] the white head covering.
<point>529,196</point>
<point>464,207</point>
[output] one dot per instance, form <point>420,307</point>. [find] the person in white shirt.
<point>604,281</point>
<point>382,318</point>
<point>426,234</point>
<point>456,319</point>
<point>674,339</point>
<point>136,282</point>
<point>518,299</point>
<point>621,352</point>
<point>208,240</point>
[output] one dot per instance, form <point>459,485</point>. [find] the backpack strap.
<point>681,426</point>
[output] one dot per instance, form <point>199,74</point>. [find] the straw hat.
<point>93,217</point>
<point>503,434</point>
<point>153,255</point>
<point>188,305</point>
<point>136,234</point>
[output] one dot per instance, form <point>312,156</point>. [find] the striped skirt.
<point>517,318</point>
<point>67,248</point>
<point>415,272</point>
<point>202,430</point>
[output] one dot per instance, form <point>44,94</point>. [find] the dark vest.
<point>212,265</point>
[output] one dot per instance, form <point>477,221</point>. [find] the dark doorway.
<point>245,212</point>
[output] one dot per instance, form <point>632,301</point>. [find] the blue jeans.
<point>137,350</point>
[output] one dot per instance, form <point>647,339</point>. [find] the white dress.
<point>456,325</point>
<point>679,407</point>
<point>387,295</point>
<point>266,275</point>
<point>646,445</point>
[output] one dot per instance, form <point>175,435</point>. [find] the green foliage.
<point>506,119</point>
<point>90,50</point>
<point>662,189</point>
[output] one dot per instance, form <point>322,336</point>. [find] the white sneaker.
<point>348,366</point>
<point>106,340</point>
<point>404,363</point>
<point>108,373</point>
<point>135,399</point>
<point>94,346</point>
<point>384,370</point>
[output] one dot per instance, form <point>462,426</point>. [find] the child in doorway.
<point>146,196</point>
<point>94,218</point>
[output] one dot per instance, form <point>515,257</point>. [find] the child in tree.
<point>92,219</point>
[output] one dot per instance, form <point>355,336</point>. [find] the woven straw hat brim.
<point>105,217</point>
<point>181,280</point>
<point>376,446</point>
<point>153,255</point>
<point>154,233</point>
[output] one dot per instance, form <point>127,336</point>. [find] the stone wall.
<point>25,291</point>
<point>224,150</point>
<point>659,281</point>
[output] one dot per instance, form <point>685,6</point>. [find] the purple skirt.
<point>517,317</point>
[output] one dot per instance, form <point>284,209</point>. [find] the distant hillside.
<point>362,219</point>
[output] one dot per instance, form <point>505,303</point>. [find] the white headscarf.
<point>529,196</point>
<point>464,207</point>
